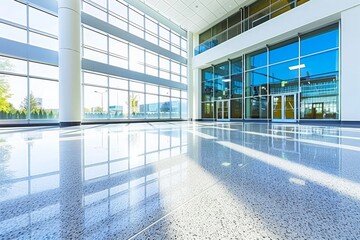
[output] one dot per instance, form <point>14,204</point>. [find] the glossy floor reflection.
<point>180,180</point>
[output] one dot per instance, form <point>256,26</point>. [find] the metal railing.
<point>273,10</point>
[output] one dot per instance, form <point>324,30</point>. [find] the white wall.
<point>350,64</point>
<point>311,15</point>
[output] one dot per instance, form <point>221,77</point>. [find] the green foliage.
<point>5,94</point>
<point>34,105</point>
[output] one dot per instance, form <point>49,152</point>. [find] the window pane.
<point>236,108</point>
<point>175,67</point>
<point>95,39</point>
<point>164,44</point>
<point>136,17</point>
<point>118,62</point>
<point>152,106</point>
<point>118,83</point>
<point>152,64</point>
<point>284,51</point>
<point>175,107</point>
<point>94,11</point>
<point>136,61</point>
<point>136,86</point>
<point>102,3</point>
<point>118,8</point>
<point>137,108</point>
<point>207,110</point>
<point>236,66</point>
<point>164,91</point>
<point>175,78</point>
<point>283,78</point>
<point>184,109</point>
<point>207,74</point>
<point>207,91</point>
<point>151,38</point>
<point>13,33</point>
<point>43,70</point>
<point>165,107</point>
<point>95,55</point>
<point>175,39</point>
<point>118,107</point>
<point>184,94</point>
<point>164,68</point>
<point>320,65</point>
<point>319,86</point>
<point>152,89</point>
<point>256,59</point>
<point>222,89</point>
<point>184,70</point>
<point>221,71</point>
<point>183,44</point>
<point>43,41</point>
<point>151,26</point>
<point>323,39</point>
<point>44,99</point>
<point>95,79</point>
<point>134,29</point>
<point>118,22</point>
<point>256,82</point>
<point>164,33</point>
<point>95,102</point>
<point>256,107</point>
<point>119,48</point>
<point>13,11</point>
<point>42,21</point>
<point>175,93</point>
<point>14,100</point>
<point>12,65</point>
<point>236,86</point>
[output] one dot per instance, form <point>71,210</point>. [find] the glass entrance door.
<point>222,110</point>
<point>284,108</point>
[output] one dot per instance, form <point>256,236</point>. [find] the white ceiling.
<point>195,15</point>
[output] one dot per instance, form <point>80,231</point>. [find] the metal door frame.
<point>283,98</point>
<point>222,102</point>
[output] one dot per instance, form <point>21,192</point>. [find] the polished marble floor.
<point>180,180</point>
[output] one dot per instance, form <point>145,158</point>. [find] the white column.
<point>350,74</point>
<point>69,14</point>
<point>190,76</point>
<point>194,82</point>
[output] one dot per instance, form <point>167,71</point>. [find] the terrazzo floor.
<point>180,180</point>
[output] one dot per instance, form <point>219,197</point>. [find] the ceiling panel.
<point>195,15</point>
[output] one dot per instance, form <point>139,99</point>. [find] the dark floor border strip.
<point>8,125</point>
<point>28,125</point>
<point>133,121</point>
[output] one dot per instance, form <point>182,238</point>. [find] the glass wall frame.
<point>293,66</point>
<point>121,14</point>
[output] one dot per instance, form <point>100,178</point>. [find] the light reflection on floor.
<point>180,180</point>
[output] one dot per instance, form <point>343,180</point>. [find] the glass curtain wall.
<point>28,89</point>
<point>306,66</point>
<point>117,98</point>
<point>111,97</point>
<point>122,15</point>
<point>222,82</point>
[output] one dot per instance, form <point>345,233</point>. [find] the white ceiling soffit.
<point>196,15</point>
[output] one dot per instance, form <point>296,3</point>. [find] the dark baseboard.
<point>69,124</point>
<point>29,125</point>
<point>133,121</point>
